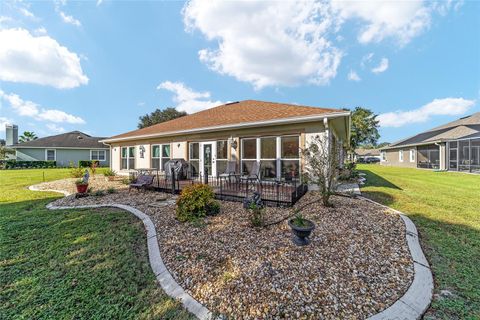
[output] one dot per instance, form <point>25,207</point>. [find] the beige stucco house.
<point>246,131</point>
<point>454,146</point>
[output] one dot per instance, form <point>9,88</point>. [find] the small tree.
<point>159,116</point>
<point>364,128</point>
<point>321,166</point>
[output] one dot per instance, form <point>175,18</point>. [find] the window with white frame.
<point>160,156</point>
<point>99,155</point>
<point>400,155</point>
<point>222,156</point>
<point>127,158</point>
<point>50,154</point>
<point>383,155</point>
<point>412,155</point>
<point>279,157</point>
<point>194,158</point>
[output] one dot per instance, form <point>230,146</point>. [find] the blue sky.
<point>97,66</point>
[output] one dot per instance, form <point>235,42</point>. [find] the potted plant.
<point>82,186</point>
<point>301,229</point>
<point>109,175</point>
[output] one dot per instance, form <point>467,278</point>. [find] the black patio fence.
<point>274,193</point>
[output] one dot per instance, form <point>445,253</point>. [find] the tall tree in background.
<point>27,136</point>
<point>364,128</point>
<point>159,116</point>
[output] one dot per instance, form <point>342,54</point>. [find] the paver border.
<point>412,305</point>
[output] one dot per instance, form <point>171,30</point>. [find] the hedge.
<point>87,163</point>
<point>14,164</point>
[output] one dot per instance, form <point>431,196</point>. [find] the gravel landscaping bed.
<point>357,264</point>
<point>96,182</point>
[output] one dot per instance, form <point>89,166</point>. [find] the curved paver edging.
<point>412,305</point>
<point>163,276</point>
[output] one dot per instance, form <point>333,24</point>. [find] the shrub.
<point>87,163</point>
<point>93,167</point>
<point>126,180</point>
<point>195,202</point>
<point>76,172</point>
<point>109,173</point>
<point>80,182</point>
<point>111,190</point>
<point>99,193</point>
<point>256,215</point>
<point>14,164</point>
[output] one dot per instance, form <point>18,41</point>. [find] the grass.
<point>82,264</point>
<point>445,207</point>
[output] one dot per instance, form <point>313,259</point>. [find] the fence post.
<point>205,176</point>
<point>172,175</point>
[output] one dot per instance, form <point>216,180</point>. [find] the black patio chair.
<point>141,182</point>
<point>230,171</point>
<point>254,174</point>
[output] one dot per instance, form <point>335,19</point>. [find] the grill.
<point>179,166</point>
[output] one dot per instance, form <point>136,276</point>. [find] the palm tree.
<point>28,136</point>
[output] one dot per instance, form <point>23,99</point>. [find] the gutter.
<point>412,145</point>
<point>233,126</point>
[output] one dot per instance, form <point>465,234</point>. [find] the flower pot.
<point>82,188</point>
<point>301,234</point>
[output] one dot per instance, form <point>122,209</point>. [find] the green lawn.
<point>72,264</point>
<point>445,206</point>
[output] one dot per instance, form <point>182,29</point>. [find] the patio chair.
<point>254,174</point>
<point>141,182</point>
<point>230,171</point>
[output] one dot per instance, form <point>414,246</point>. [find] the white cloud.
<point>31,109</point>
<point>438,107</point>
<point>99,2</point>
<point>353,76</point>
<point>187,99</point>
<point>55,128</point>
<point>40,31</point>
<point>267,43</point>
<point>366,59</point>
<point>382,67</point>
<point>4,121</point>
<point>40,60</point>
<point>69,19</point>
<point>26,13</point>
<point>401,20</point>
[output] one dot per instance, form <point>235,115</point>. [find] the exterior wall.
<point>305,130</point>
<point>392,158</point>
<point>63,156</point>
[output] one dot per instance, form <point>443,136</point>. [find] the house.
<point>66,148</point>
<point>362,154</point>
<point>454,146</point>
<point>247,131</point>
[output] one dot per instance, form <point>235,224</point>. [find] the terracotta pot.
<point>301,234</point>
<point>82,188</point>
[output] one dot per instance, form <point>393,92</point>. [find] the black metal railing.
<point>274,193</point>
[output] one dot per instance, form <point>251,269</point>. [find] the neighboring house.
<point>453,146</point>
<point>361,153</point>
<point>66,148</point>
<point>245,132</point>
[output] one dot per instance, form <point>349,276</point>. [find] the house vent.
<point>227,104</point>
<point>79,137</point>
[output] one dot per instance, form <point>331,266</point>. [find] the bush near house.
<point>14,164</point>
<point>196,201</point>
<point>87,163</point>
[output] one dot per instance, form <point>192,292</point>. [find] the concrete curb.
<point>163,276</point>
<point>417,299</point>
<point>412,305</point>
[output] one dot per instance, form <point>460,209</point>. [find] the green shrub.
<point>127,180</point>
<point>256,215</point>
<point>195,202</point>
<point>14,164</point>
<point>87,163</point>
<point>111,190</point>
<point>76,172</point>
<point>109,173</point>
<point>99,193</point>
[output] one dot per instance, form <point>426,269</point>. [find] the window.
<point>99,155</point>
<point>279,157</point>
<point>222,156</point>
<point>160,156</point>
<point>268,158</point>
<point>127,155</point>
<point>400,155</point>
<point>50,155</point>
<point>194,157</point>
<point>383,155</point>
<point>412,155</point>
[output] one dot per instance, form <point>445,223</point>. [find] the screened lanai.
<point>428,156</point>
<point>464,155</point>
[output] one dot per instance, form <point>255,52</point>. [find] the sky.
<point>96,66</point>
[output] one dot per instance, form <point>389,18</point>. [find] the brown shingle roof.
<point>74,139</point>
<point>230,114</point>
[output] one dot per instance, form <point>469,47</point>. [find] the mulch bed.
<point>356,265</point>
